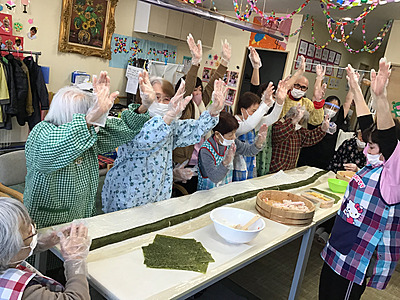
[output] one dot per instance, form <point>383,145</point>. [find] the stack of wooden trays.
<point>264,206</point>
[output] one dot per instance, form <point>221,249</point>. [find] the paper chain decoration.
<point>365,12</point>
<point>298,29</point>
<point>272,17</point>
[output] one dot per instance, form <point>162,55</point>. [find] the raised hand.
<point>281,92</point>
<point>267,95</point>
<point>380,81</point>
<point>320,70</point>
<point>300,113</point>
<point>97,115</point>
<point>147,93</point>
<point>177,104</point>
<point>195,49</point>
<point>226,52</point>
<point>352,78</point>
<point>319,92</point>
<point>230,154</point>
<point>262,135</point>
<point>254,58</point>
<point>302,68</point>
<point>325,124</point>
<point>218,97</point>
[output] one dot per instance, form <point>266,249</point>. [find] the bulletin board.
<point>393,91</point>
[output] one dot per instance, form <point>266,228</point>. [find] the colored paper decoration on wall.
<point>264,41</point>
<point>124,49</point>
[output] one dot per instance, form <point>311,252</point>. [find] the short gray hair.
<point>292,112</point>
<point>12,213</point>
<point>68,101</point>
<point>156,79</point>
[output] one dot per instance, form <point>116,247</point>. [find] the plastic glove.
<point>195,50</point>
<point>75,249</point>
<point>254,58</point>
<point>319,92</point>
<point>50,238</point>
<point>218,97</point>
<point>325,124</point>
<point>320,70</point>
<point>229,155</point>
<point>177,104</point>
<point>180,173</point>
<point>147,93</point>
<point>380,81</point>
<point>262,135</point>
<point>352,78</point>
<point>300,114</point>
<point>281,91</point>
<point>267,95</point>
<point>226,52</point>
<point>351,167</point>
<point>97,114</point>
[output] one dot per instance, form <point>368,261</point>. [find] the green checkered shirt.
<point>63,175</point>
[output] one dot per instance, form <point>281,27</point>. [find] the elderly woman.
<point>61,151</point>
<point>365,240</point>
<point>19,239</point>
<point>142,172</point>
<point>289,136</point>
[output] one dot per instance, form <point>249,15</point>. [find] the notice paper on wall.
<point>132,73</point>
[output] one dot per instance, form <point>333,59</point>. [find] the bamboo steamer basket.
<point>284,216</point>
<point>345,175</point>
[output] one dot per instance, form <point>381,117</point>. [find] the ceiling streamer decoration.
<point>365,12</point>
<point>352,3</point>
<point>272,16</point>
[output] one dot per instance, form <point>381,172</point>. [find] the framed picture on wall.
<point>338,58</point>
<point>318,53</point>
<point>329,70</point>
<point>6,24</point>
<point>325,54</point>
<point>314,66</point>
<point>340,72</point>
<point>311,50</point>
<point>332,82</point>
<point>87,27</point>
<point>297,63</point>
<point>230,97</point>
<point>206,74</point>
<point>308,64</point>
<point>233,78</point>
<point>303,46</point>
<point>332,55</point>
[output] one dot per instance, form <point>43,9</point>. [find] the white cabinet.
<point>173,24</point>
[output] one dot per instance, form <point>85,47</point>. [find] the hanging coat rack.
<point>24,52</point>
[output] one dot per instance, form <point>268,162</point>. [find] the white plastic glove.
<point>50,238</point>
<point>352,78</point>
<point>177,104</point>
<point>320,70</point>
<point>147,93</point>
<point>226,53</point>
<point>97,114</point>
<point>267,95</point>
<point>281,91</point>
<point>75,249</point>
<point>254,58</point>
<point>351,167</point>
<point>218,97</point>
<point>380,81</point>
<point>195,50</point>
<point>319,92</point>
<point>229,155</point>
<point>180,173</point>
<point>300,113</point>
<point>325,124</point>
<point>262,135</point>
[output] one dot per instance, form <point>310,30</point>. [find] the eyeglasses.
<point>300,87</point>
<point>34,232</point>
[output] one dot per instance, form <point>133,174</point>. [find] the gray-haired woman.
<point>61,151</point>
<point>19,240</point>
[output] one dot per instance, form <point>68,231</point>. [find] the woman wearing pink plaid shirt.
<point>365,240</point>
<point>19,240</point>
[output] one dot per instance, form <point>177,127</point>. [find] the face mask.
<point>197,99</point>
<point>226,142</point>
<point>374,160</point>
<point>297,94</point>
<point>32,245</point>
<point>158,109</point>
<point>360,144</point>
<point>329,112</point>
<point>245,114</point>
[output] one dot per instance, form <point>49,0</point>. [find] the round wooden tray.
<point>289,217</point>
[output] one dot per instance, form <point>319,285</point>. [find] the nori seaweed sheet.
<point>180,218</point>
<point>167,252</point>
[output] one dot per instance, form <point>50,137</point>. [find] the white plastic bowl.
<point>225,218</point>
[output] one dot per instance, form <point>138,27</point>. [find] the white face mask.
<point>32,245</point>
<point>374,160</point>
<point>225,142</point>
<point>330,113</point>
<point>158,109</point>
<point>360,144</point>
<point>297,94</point>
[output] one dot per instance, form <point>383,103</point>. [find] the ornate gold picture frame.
<point>87,27</point>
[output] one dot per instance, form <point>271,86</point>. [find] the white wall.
<point>392,50</point>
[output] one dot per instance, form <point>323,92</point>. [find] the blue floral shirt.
<point>142,172</point>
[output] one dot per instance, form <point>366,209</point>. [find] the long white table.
<point>117,270</point>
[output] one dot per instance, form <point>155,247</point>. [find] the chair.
<point>12,174</point>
